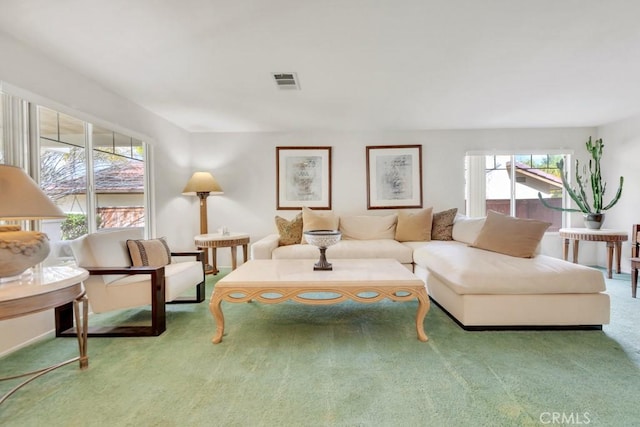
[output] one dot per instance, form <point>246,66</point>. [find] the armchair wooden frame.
<point>64,313</point>
<point>635,258</point>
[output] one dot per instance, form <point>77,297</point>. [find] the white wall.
<point>244,164</point>
<point>621,157</point>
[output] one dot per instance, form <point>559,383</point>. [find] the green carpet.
<point>341,365</point>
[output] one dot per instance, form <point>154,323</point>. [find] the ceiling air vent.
<point>286,81</point>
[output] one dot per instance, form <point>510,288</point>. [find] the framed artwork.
<point>303,176</point>
<point>394,176</point>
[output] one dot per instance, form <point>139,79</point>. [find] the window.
<point>510,184</point>
<point>95,175</point>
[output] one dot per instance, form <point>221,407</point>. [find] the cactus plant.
<point>598,187</point>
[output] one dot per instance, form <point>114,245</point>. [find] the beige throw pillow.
<point>152,253</point>
<point>290,231</point>
<point>507,235</point>
<point>368,227</point>
<point>414,226</point>
<point>442,228</point>
<point>318,220</point>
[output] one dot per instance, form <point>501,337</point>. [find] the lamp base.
<point>20,250</point>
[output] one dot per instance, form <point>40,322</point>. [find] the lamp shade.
<point>21,198</point>
<point>202,182</point>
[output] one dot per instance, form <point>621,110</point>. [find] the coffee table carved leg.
<point>216,310</point>
<point>423,308</point>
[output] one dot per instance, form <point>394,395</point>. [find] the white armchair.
<point>115,284</point>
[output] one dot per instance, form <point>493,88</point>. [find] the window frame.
<point>475,192</point>
<point>24,146</point>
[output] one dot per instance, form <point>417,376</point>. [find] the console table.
<point>44,288</point>
<point>613,238</point>
<point>218,240</point>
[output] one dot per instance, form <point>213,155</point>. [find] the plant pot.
<point>593,221</point>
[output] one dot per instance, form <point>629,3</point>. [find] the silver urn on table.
<point>322,239</point>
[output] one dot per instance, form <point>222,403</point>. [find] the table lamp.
<point>202,184</point>
<point>22,199</point>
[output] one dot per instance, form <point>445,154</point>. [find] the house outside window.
<point>510,183</point>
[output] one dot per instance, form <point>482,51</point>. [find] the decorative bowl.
<point>322,239</point>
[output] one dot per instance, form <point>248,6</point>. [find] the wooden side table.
<point>217,240</point>
<point>613,238</point>
<point>46,288</point>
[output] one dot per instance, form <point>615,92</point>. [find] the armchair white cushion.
<point>114,284</point>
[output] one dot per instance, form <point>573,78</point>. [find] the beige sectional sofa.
<point>478,288</point>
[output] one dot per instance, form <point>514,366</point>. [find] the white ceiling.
<point>206,65</point>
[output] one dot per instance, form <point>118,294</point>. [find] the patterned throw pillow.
<point>290,231</point>
<point>442,227</point>
<point>152,253</point>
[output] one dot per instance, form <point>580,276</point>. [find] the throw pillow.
<point>290,231</point>
<point>507,235</point>
<point>318,220</point>
<point>152,253</point>
<point>368,227</point>
<point>442,228</point>
<point>414,226</point>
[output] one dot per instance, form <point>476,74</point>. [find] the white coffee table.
<point>291,279</point>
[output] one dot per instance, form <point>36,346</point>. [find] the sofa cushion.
<point>442,227</point>
<point>368,227</point>
<point>507,235</point>
<point>318,220</point>
<point>414,226</point>
<point>290,231</point>
<point>468,270</point>
<point>467,229</point>
<point>149,253</point>
<point>349,249</point>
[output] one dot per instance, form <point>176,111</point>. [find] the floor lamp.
<point>203,184</point>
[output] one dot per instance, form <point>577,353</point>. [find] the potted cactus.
<point>592,212</point>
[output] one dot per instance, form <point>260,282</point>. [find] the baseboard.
<point>27,343</point>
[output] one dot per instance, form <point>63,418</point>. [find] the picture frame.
<point>303,177</point>
<point>394,176</point>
